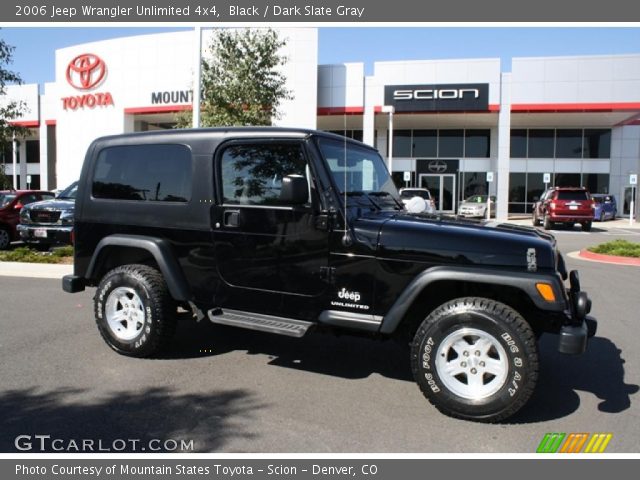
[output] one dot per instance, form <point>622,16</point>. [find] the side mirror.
<point>18,206</point>
<point>295,190</point>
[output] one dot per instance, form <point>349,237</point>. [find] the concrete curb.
<point>34,270</point>
<point>614,259</point>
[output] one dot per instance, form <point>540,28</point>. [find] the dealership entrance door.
<point>443,190</point>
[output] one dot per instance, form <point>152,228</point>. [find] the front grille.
<point>45,216</point>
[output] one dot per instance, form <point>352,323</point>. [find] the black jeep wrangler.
<point>289,231</point>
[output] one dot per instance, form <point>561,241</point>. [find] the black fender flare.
<point>525,281</point>
<point>162,254</point>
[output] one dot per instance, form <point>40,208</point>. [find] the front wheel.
<point>475,358</point>
<point>134,312</point>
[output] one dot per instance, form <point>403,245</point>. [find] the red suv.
<point>11,202</point>
<point>568,205</point>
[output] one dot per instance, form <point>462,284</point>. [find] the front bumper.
<point>45,234</point>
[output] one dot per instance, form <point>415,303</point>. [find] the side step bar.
<point>256,321</point>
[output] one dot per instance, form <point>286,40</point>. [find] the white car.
<point>407,195</point>
<point>476,206</point>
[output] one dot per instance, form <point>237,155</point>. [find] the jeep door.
<point>269,253</point>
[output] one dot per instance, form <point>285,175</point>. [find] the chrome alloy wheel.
<point>125,313</point>
<point>472,363</point>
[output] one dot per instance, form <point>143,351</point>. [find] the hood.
<point>453,240</point>
<point>55,204</point>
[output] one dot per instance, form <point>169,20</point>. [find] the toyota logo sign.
<point>86,71</point>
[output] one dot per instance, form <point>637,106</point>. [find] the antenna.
<point>346,238</point>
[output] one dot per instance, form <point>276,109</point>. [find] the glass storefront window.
<point>473,183</point>
<point>517,186</point>
<point>596,182</point>
<point>597,143</point>
<point>450,143</point>
<point>519,143</point>
<point>535,186</point>
<point>541,143</point>
<point>476,143</point>
<point>569,143</point>
<point>425,143</point>
<point>402,143</point>
<point>567,180</point>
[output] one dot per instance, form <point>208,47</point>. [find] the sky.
<point>35,46</point>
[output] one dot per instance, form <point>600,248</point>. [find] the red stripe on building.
<point>27,124</point>
<point>158,109</point>
<point>50,123</point>
<point>574,107</point>
<point>493,108</point>
<point>323,111</point>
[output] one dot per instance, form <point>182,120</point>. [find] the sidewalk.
<point>34,270</point>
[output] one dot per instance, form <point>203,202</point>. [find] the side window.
<point>155,173</point>
<point>252,173</point>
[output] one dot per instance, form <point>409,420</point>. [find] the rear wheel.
<point>134,312</point>
<point>586,227</point>
<point>5,239</point>
<point>535,219</point>
<point>602,216</point>
<point>475,358</point>
<point>547,222</point>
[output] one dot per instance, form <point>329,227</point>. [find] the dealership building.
<point>459,127</point>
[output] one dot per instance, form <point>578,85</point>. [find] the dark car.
<point>564,205</point>
<point>11,203</point>
<point>50,222</point>
<point>290,231</point>
<point>606,207</point>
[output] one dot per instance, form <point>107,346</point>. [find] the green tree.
<point>9,110</point>
<point>241,80</point>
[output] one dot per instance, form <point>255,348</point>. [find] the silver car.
<point>476,206</point>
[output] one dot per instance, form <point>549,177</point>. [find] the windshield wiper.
<point>387,194</point>
<point>360,193</point>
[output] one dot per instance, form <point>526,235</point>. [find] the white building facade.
<point>459,127</point>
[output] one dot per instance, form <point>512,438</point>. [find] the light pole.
<point>197,31</point>
<point>390,109</point>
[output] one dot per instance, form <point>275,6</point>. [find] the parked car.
<point>50,222</point>
<point>408,194</point>
<point>476,206</point>
<point>11,203</point>
<point>564,205</point>
<point>606,207</point>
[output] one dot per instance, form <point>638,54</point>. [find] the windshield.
<point>356,169</point>
<point>69,192</point>
<point>5,199</point>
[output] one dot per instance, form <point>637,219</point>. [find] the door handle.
<point>231,218</point>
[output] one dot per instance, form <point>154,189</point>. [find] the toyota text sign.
<point>438,98</point>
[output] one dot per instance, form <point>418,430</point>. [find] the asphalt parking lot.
<point>237,391</point>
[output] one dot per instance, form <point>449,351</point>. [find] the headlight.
<point>24,215</point>
<point>66,217</point>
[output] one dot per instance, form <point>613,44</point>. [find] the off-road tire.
<point>512,341</point>
<point>156,315</point>
<point>5,238</point>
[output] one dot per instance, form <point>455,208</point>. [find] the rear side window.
<point>154,173</point>
<point>572,195</point>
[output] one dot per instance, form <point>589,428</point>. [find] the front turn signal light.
<point>546,291</point>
